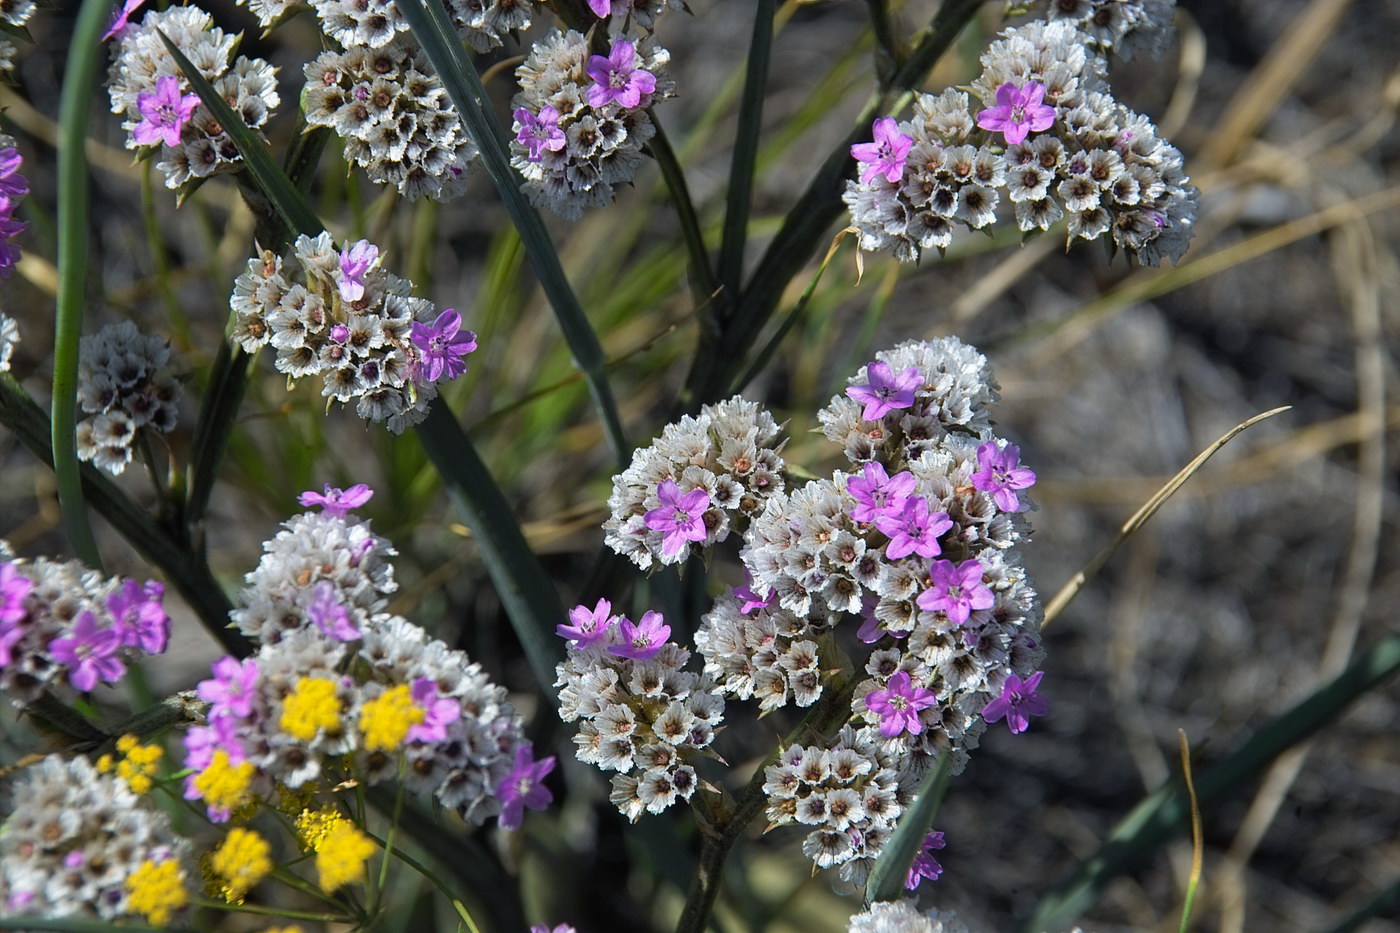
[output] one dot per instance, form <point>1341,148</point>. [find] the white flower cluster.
<point>1124,26</point>
<point>904,917</point>
<point>9,339</point>
<point>125,383</point>
<point>74,838</point>
<point>367,23</point>
<point>361,349</point>
<point>1099,163</point>
<point>249,85</point>
<point>602,145</point>
<point>729,450</point>
<point>392,111</point>
<point>643,13</point>
<point>12,13</point>
<point>646,719</point>
<point>768,653</point>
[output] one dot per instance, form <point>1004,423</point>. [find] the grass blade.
<point>1198,843</point>
<point>741,170</point>
<point>85,54</point>
<point>433,31</point>
<point>703,283</point>
<point>1166,811</point>
<point>886,882</point>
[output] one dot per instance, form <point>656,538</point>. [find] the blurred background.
<point>1260,580</point>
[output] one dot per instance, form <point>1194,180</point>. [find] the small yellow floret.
<point>313,826</point>
<point>291,929</point>
<point>156,890</point>
<point>106,763</point>
<point>224,786</point>
<point>139,766</point>
<point>341,857</point>
<point>310,707</point>
<point>241,861</point>
<point>386,719</point>
<point>126,743</point>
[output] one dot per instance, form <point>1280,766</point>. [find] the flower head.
<point>539,132</point>
<point>241,861</point>
<point>957,590</point>
<point>588,627</point>
<point>140,618</point>
<point>1018,702</point>
<point>155,890</point>
<point>355,261</point>
<point>617,77</point>
<point>329,614</point>
<point>601,9</point>
<point>336,502</point>
<point>341,856</point>
<point>438,712</point>
<point>385,720</point>
<point>441,346</point>
<point>681,517</point>
<point>90,654</point>
<point>642,641</point>
<point>999,474</point>
<point>119,25</point>
<point>878,494</point>
<point>522,787</point>
<point>885,156</point>
<point>164,113</point>
<point>885,392</point>
<point>898,705</point>
<point>232,688</point>
<point>1018,112</point>
<point>925,865</point>
<point>913,530</point>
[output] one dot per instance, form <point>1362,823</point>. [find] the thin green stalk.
<point>85,54</point>
<point>738,199</point>
<point>389,840</point>
<point>275,912</point>
<point>703,282</point>
<point>432,878</point>
<point>155,244</point>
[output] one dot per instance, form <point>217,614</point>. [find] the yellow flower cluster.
<point>309,708</point>
<point>290,929</point>
<point>386,719</point>
<point>313,826</point>
<point>341,855</point>
<point>224,786</point>
<point>156,890</point>
<point>138,763</point>
<point>241,861</point>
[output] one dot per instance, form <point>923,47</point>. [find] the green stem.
<point>85,53</point>
<point>703,282</point>
<point>389,838</point>
<point>432,877</point>
<point>155,243</point>
<point>276,912</point>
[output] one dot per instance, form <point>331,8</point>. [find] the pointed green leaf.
<point>886,882</point>
<point>741,171</point>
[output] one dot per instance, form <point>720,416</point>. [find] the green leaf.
<point>886,882</point>
<point>741,171</point>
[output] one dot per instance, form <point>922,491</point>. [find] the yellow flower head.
<point>341,856</point>
<point>139,766</point>
<point>156,890</point>
<point>241,862</point>
<point>313,826</point>
<point>386,719</point>
<point>309,708</point>
<point>224,786</point>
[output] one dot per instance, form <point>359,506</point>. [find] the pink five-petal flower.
<point>957,590</point>
<point>539,132</point>
<point>589,627</point>
<point>14,588</point>
<point>885,392</point>
<point>885,156</point>
<point>355,260</point>
<point>438,712</point>
<point>521,788</point>
<point>877,493</point>
<point>1018,112</point>
<point>140,619</point>
<point>1018,702</point>
<point>329,614</point>
<point>617,77</point>
<point>232,688</point>
<point>441,347</point>
<point>336,502</point>
<point>604,8</point>
<point>680,517</point>
<point>999,474</point>
<point>913,530</point>
<point>164,113</point>
<point>898,705</point>
<point>119,25</point>
<point>90,654</point>
<point>644,640</point>
<point>925,865</point>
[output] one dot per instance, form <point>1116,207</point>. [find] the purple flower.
<point>164,113</point>
<point>522,788</point>
<point>538,133</point>
<point>438,712</point>
<point>913,530</point>
<point>886,391</point>
<point>752,601</point>
<point>13,185</point>
<point>999,475</point>
<point>681,517</point>
<point>601,9</point>
<point>9,252</point>
<point>643,641</point>
<point>898,706</point>
<point>441,347</point>
<point>878,494</point>
<point>140,619</point>
<point>925,865</point>
<point>355,261</point>
<point>335,502</point>
<point>563,927</point>
<point>957,590</point>
<point>201,742</point>
<point>588,628</point>
<point>885,156</point>
<point>10,635</point>
<point>119,24</point>
<point>90,654</point>
<point>617,77</point>
<point>1018,702</point>
<point>330,616</point>
<point>14,588</point>
<point>232,689</point>
<point>1019,111</point>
